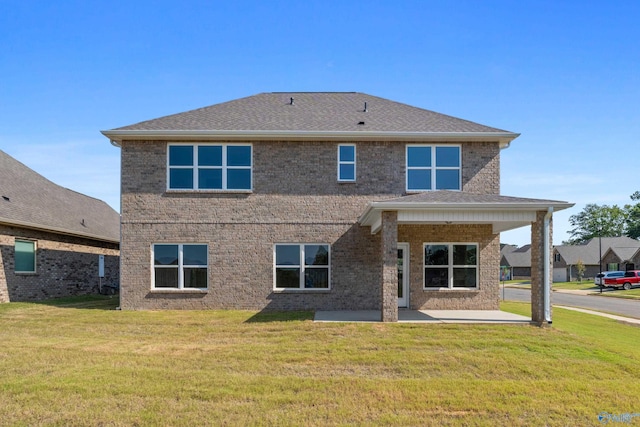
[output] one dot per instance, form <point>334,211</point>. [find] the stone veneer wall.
<point>486,297</point>
<point>296,199</point>
<point>65,266</point>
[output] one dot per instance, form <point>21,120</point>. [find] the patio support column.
<point>541,277</point>
<point>389,288</point>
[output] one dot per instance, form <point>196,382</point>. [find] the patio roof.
<point>457,207</point>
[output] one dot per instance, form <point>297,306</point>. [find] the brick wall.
<point>486,297</point>
<point>296,199</point>
<point>65,266</point>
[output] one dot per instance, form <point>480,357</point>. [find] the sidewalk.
<point>629,320</point>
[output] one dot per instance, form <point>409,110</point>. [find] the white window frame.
<point>450,266</point>
<point>224,168</point>
<point>35,258</point>
<point>347,162</point>
<point>180,267</point>
<point>302,267</point>
<point>433,168</point>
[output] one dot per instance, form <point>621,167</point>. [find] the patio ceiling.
<point>454,207</point>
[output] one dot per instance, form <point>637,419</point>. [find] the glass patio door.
<point>403,274</point>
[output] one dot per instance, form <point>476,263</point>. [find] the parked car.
<point>629,279</point>
<point>599,280</point>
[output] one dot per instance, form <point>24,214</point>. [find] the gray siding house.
<point>319,201</point>
<point>53,241</point>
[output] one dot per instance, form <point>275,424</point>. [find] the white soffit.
<point>502,220</point>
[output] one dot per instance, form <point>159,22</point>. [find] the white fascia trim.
<point>385,206</point>
<point>117,136</point>
<point>57,230</point>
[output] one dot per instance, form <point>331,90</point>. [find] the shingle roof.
<point>313,111</point>
<point>589,253</point>
<point>625,253</point>
<point>517,257</point>
<point>28,199</point>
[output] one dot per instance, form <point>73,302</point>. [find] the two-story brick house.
<point>318,201</point>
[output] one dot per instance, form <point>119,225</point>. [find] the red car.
<point>630,278</point>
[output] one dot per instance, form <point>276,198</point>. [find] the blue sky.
<point>564,74</point>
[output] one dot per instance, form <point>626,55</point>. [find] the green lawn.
<point>575,285</point>
<point>630,294</point>
<point>79,362</point>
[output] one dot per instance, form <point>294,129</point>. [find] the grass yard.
<point>79,362</point>
<point>630,294</point>
<point>575,285</point>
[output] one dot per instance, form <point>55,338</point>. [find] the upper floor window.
<point>25,256</point>
<point>180,266</point>
<point>346,162</point>
<point>209,167</point>
<point>433,167</point>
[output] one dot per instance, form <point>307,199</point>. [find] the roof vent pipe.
<point>291,101</point>
<point>365,107</point>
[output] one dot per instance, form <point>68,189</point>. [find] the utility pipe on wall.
<point>546,280</point>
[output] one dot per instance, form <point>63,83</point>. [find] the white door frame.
<point>404,301</point>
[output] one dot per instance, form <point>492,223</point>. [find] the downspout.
<point>546,281</point>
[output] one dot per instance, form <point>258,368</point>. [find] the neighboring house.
<point>618,253</point>
<point>516,262</point>
<point>319,201</point>
<point>53,240</point>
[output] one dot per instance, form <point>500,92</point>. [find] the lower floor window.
<point>301,266</point>
<point>180,266</point>
<point>450,265</point>
<point>25,256</point>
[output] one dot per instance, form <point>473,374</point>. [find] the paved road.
<point>621,307</point>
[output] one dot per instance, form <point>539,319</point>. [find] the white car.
<point>599,280</point>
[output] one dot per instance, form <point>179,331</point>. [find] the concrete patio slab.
<point>424,316</point>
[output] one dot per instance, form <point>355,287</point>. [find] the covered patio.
<point>451,216</point>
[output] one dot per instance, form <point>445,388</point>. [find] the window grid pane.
<point>181,178</point>
<point>210,155</point>
<point>238,155</point>
<point>287,277</point>
<point>347,172</point>
<point>181,155</point>
<point>347,153</point>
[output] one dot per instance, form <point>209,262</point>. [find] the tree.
<point>633,217</point>
<point>598,220</point>
<point>580,269</point>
